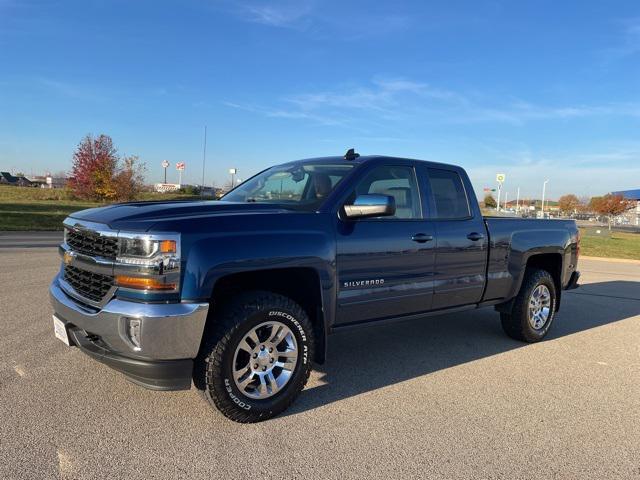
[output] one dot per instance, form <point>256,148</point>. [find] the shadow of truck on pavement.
<point>368,358</point>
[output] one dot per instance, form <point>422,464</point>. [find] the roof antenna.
<point>351,154</point>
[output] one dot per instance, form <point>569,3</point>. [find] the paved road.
<point>29,239</point>
<point>440,398</point>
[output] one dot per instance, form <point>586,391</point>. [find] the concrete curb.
<point>612,260</point>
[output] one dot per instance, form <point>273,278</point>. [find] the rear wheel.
<point>533,309</point>
<point>257,358</point>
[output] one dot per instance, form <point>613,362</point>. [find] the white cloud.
<point>629,44</point>
<point>286,114</point>
<point>384,100</point>
<point>584,174</point>
<point>71,90</point>
<point>307,16</point>
<point>283,13</point>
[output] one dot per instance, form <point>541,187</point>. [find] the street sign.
<point>233,171</point>
<point>165,164</point>
<point>500,177</point>
<point>180,166</point>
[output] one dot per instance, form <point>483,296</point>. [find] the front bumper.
<point>155,375</point>
<point>170,335</point>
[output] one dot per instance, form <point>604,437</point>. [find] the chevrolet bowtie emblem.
<point>67,258</point>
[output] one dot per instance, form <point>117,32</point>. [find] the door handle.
<point>422,237</point>
<point>475,236</point>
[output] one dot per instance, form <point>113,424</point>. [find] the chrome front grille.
<point>92,243</point>
<point>92,286</point>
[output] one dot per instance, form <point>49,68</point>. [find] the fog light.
<point>134,328</point>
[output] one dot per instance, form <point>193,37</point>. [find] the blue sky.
<point>536,90</point>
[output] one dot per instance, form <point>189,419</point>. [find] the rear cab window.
<point>448,195</point>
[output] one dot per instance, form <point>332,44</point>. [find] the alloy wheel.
<point>265,359</point>
<point>539,307</point>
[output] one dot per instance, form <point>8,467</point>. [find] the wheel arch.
<point>301,284</point>
<point>551,262</point>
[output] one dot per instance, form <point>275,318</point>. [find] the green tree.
<point>489,201</point>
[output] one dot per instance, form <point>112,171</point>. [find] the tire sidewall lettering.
<point>233,397</point>
<point>292,319</point>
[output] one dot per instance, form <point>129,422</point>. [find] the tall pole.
<point>204,159</point>
<point>499,190</point>
<point>544,188</point>
<point>232,172</point>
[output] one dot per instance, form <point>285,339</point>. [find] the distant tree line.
<point>608,205</point>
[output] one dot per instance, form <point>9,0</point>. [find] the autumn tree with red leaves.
<point>129,179</point>
<point>610,206</point>
<point>98,173</point>
<point>568,204</point>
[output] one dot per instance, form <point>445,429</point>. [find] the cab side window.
<point>449,195</point>
<point>397,182</point>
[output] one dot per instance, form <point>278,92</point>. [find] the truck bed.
<point>513,240</point>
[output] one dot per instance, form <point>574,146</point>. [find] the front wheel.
<point>258,357</point>
<point>533,309</point>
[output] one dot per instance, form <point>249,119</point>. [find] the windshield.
<point>302,185</point>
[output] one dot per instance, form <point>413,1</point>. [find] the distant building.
<point>633,195</point>
<point>7,179</point>
<point>38,181</point>
<point>54,182</point>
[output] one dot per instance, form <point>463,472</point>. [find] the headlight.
<point>148,262</point>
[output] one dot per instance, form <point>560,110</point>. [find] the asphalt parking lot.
<point>448,397</point>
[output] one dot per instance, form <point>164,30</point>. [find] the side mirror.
<point>371,205</point>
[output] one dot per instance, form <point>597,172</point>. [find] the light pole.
<point>544,189</point>
<point>233,172</point>
<point>204,159</point>
<point>165,165</point>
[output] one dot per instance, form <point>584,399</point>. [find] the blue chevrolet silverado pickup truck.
<point>238,297</point>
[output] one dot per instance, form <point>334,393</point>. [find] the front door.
<point>385,265</point>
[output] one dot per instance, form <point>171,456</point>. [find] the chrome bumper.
<point>168,330</point>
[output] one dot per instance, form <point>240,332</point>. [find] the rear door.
<point>461,245</point>
<point>385,265</point>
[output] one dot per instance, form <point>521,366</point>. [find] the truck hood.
<point>141,216</point>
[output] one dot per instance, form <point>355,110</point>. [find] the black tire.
<point>516,324</point>
<point>214,365</point>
